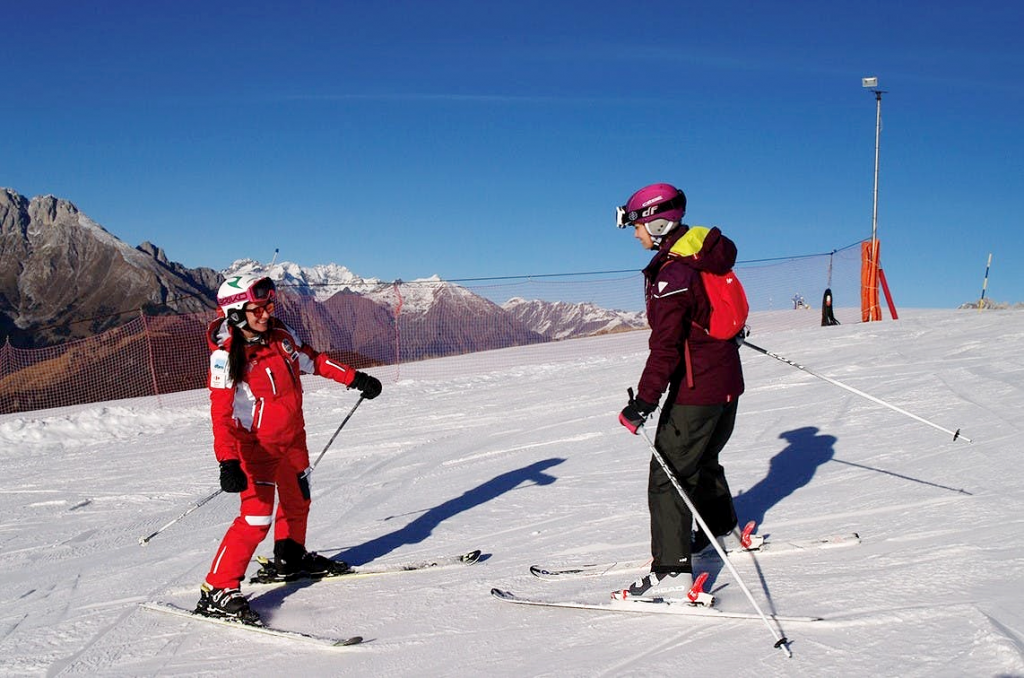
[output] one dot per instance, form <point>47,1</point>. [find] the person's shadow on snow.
<point>788,471</point>
<point>419,529</point>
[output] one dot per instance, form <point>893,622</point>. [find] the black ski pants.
<point>689,438</point>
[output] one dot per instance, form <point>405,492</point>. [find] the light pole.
<point>872,84</point>
<point>874,312</point>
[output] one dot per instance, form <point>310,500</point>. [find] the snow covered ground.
<point>519,453</point>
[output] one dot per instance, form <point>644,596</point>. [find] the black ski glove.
<point>367,384</point>
<point>635,413</point>
<point>232,477</point>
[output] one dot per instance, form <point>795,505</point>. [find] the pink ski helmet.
<point>659,207</point>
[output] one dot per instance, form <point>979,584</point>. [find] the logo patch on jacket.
<point>288,348</point>
<point>219,374</point>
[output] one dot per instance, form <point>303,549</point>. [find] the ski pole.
<point>780,641</point>
<point>341,426</point>
<point>145,540</point>
<point>956,434</point>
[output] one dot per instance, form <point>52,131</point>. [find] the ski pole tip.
<point>957,435</point>
<point>783,644</point>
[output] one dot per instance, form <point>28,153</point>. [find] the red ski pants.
<point>266,470</point>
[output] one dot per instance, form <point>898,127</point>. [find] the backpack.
<point>728,300</point>
<point>729,306</point>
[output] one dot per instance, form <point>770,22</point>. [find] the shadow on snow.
<point>788,471</point>
<point>419,529</point>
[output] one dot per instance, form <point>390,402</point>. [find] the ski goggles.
<point>624,218</point>
<point>260,293</point>
<point>260,310</point>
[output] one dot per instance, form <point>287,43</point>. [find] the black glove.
<point>635,413</point>
<point>232,477</point>
<point>367,384</point>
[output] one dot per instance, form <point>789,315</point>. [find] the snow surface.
<point>518,452</point>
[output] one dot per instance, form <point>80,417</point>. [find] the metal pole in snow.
<point>341,426</point>
<point>984,285</point>
<point>956,434</point>
<point>145,540</point>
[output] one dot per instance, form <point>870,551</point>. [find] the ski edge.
<point>555,573</point>
<point>588,569</point>
<point>324,641</point>
<point>644,606</point>
<point>370,570</point>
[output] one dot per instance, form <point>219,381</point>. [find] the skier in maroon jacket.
<point>702,375</point>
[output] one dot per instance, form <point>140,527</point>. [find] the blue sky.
<point>470,139</point>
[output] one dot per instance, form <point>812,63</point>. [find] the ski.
<point>266,570</point>
<point>616,567</point>
<point>325,641</point>
<point>645,605</point>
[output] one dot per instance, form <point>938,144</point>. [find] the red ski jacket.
<point>266,407</point>
<point>675,301</point>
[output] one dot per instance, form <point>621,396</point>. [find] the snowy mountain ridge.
<point>323,281</point>
<point>320,282</point>
<point>552,320</point>
<point>562,320</point>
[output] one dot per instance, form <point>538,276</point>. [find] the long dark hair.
<point>236,356</point>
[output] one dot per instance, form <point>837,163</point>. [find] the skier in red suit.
<point>259,438</point>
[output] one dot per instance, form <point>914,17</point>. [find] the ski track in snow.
<point>518,452</point>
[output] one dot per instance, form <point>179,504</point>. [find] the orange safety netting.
<point>157,355</point>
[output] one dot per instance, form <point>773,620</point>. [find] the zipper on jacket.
<point>273,385</point>
<point>259,414</point>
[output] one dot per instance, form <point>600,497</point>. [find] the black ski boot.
<point>293,561</point>
<point>226,604</point>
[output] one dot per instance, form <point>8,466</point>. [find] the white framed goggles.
<point>620,217</point>
<point>624,219</point>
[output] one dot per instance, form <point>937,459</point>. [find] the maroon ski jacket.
<point>676,301</point>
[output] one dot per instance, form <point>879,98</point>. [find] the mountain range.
<point>63,276</point>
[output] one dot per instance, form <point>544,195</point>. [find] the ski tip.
<point>354,640</point>
<point>504,595</point>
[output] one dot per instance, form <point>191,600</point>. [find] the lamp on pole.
<point>872,84</point>
<point>873,312</point>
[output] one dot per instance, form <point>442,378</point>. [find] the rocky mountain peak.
<point>60,267</point>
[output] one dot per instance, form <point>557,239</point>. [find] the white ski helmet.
<point>239,290</point>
